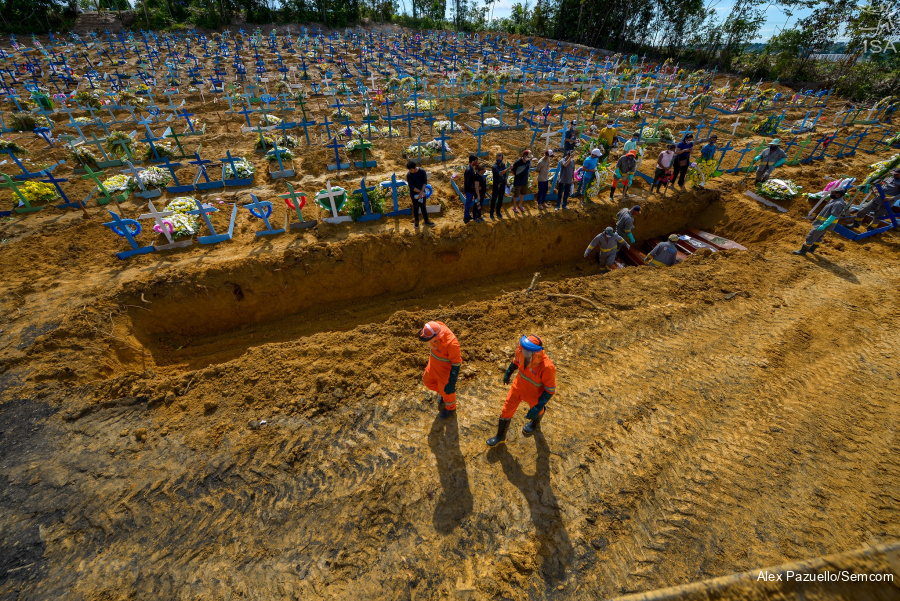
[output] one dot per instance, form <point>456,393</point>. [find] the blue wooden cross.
<point>409,117</point>
<point>208,184</point>
<point>187,117</point>
<point>367,206</point>
<point>742,152</point>
<point>128,229</point>
<point>724,150</point>
<point>442,139</point>
<point>246,112</point>
<point>478,133</point>
<point>262,209</point>
<point>338,165</point>
<point>203,212</point>
<point>394,185</point>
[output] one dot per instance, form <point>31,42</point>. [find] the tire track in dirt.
<point>687,426</point>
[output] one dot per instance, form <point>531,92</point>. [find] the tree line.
<point>700,33</point>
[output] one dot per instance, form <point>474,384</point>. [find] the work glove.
<point>509,372</point>
<point>780,162</point>
<point>756,158</point>
<point>535,411</point>
<point>630,237</point>
<point>618,175</point>
<point>450,388</point>
<point>828,222</point>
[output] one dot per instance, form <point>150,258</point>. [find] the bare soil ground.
<point>733,412</point>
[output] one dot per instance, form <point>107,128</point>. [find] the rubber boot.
<point>532,426</point>
<point>803,250</point>
<point>856,223</point>
<point>604,269</point>
<point>502,427</point>
<point>813,248</point>
<point>445,413</point>
<point>874,225</point>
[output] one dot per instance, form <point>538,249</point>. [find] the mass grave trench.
<point>232,296</point>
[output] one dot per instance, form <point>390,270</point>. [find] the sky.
<point>775,16</point>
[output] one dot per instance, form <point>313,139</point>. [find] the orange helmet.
<point>431,329</point>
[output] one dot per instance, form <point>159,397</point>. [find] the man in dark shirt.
<point>570,138</point>
<point>520,170</point>
<point>416,179</point>
<point>469,187</point>
<point>498,184</point>
<point>683,159</point>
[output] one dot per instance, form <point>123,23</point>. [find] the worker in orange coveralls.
<point>535,384</point>
<point>443,364</point>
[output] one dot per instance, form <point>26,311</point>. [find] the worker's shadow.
<point>555,551</point>
<point>455,501</point>
<point>834,268</point>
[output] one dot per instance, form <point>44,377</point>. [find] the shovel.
<point>742,185</point>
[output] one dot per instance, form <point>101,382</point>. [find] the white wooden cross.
<point>547,136</point>
<point>735,126</point>
<point>372,80</point>
<point>327,81</point>
<point>330,193</point>
<point>159,218</point>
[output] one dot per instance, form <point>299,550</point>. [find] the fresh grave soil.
<point>248,419</point>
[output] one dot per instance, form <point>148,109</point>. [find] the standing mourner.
<point>664,253</point>
<point>498,171</point>
<point>535,384</point>
<point>708,151</point>
<point>543,178</point>
<point>469,187</point>
<point>480,192</point>
<point>520,170</point>
<point>570,138</point>
<point>825,222</point>
<point>443,363</point>
<point>634,143</point>
<point>683,159</point>
<point>588,172</point>
<point>769,159</point>
<point>663,168</point>
<point>566,179</point>
<point>417,179</point>
<point>607,139</point>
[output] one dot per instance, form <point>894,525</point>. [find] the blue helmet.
<point>532,343</point>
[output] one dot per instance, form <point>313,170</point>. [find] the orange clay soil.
<point>733,412</point>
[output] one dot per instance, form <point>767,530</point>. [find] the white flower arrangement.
<point>355,144</point>
<point>286,155</point>
<point>118,183</point>
<point>155,177</point>
<point>83,120</point>
<point>421,105</point>
<point>266,120</point>
<point>444,126</point>
<point>414,150</point>
<point>436,146</point>
<point>389,132</point>
<point>492,122</point>
<point>240,169</point>
<point>184,224</point>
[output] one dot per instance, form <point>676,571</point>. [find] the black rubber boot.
<point>532,426</point>
<point>813,248</point>
<point>502,427</point>
<point>803,250</point>
<point>445,413</point>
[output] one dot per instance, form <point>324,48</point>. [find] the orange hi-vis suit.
<point>444,356</point>
<point>530,382</point>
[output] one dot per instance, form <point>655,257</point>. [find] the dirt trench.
<point>331,286</point>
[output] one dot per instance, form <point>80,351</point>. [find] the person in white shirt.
<point>663,168</point>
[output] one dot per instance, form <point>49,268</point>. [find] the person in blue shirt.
<point>588,172</point>
<point>708,152</point>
